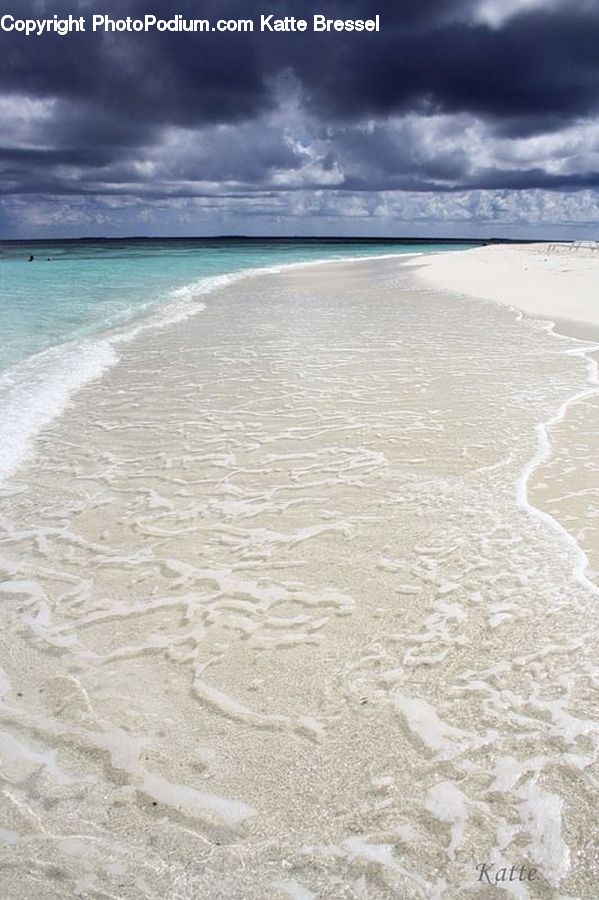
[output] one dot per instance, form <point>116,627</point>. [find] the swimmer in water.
<point>31,258</point>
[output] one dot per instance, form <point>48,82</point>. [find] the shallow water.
<point>64,315</point>
<point>281,620</point>
<point>78,289</point>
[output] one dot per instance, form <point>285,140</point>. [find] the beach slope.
<point>555,281</point>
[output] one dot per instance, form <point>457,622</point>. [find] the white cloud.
<point>23,119</point>
<point>496,12</point>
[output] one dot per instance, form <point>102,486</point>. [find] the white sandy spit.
<point>558,281</point>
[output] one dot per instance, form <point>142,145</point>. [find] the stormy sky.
<point>461,117</point>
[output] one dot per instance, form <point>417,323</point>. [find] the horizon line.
<point>286,237</point>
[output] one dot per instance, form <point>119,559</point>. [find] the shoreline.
<point>496,274</point>
<point>543,455</point>
<point>558,285</point>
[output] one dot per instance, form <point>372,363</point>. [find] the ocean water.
<point>63,315</point>
<point>76,289</point>
<point>295,604</point>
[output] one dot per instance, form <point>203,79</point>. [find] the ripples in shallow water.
<point>280,620</point>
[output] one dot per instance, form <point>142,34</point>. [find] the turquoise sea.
<point>63,313</point>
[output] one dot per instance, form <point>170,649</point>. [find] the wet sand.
<point>296,603</point>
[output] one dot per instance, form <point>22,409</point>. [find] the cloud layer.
<point>457,113</point>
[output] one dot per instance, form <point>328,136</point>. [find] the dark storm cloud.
<point>537,71</point>
<point>155,77</point>
<point>431,55</point>
<point>189,115</point>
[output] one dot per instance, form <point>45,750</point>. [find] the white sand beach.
<point>556,281</point>
<point>299,598</point>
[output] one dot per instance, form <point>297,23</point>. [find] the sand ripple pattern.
<point>281,618</point>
